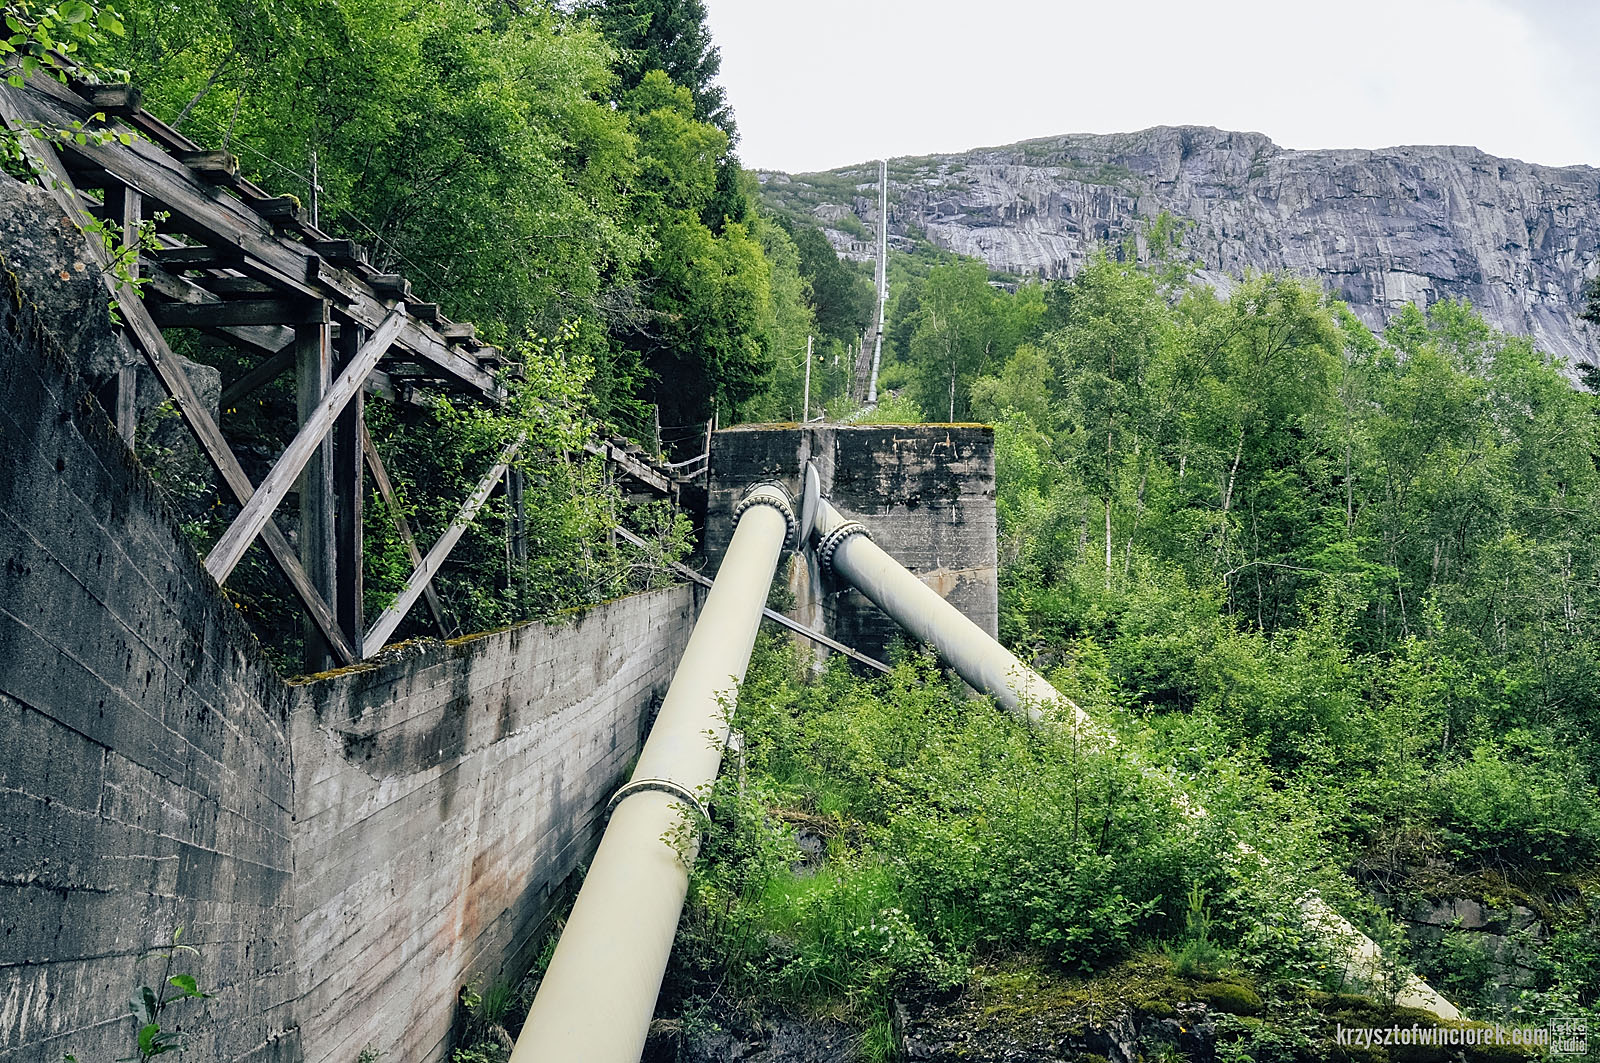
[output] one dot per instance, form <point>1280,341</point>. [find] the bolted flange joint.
<point>829,543</point>
<point>772,493</point>
<point>666,786</point>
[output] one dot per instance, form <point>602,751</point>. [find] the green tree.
<point>963,328</point>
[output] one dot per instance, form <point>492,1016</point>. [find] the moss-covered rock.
<point>1023,1012</point>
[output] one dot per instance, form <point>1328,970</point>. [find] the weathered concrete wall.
<point>145,773</point>
<point>926,492</point>
<point>470,782</point>
<point>344,853</point>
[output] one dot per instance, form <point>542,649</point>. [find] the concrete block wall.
<point>145,777</point>
<point>345,852</point>
<point>471,781</point>
<point>925,491</point>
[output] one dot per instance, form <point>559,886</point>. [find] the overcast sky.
<point>821,83</point>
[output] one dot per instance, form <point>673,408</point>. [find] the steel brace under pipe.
<point>600,990</point>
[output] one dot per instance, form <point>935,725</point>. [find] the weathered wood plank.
<point>280,210</point>
<point>119,100</point>
<point>147,337</point>
<point>380,477</point>
<point>419,579</point>
<point>223,313</point>
<point>181,258</point>
<point>254,514</point>
<point>313,361</point>
<point>349,497</point>
<point>212,167</point>
<point>125,206</point>
<point>263,373</point>
<point>343,252</point>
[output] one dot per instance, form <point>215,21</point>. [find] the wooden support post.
<point>313,377</point>
<point>124,206</point>
<point>380,477</point>
<point>349,494</point>
<point>386,624</point>
<point>147,337</point>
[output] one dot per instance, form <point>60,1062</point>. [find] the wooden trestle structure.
<point>239,264</point>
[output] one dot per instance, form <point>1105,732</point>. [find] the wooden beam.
<point>313,362</point>
<point>264,372</point>
<point>258,511</point>
<point>124,205</point>
<point>118,100</point>
<point>280,210</point>
<point>390,619</point>
<point>459,332</point>
<point>223,313</point>
<point>391,285</point>
<point>380,476</point>
<point>147,337</point>
<point>342,252</point>
<point>634,468</point>
<point>349,497</point>
<point>231,287</point>
<point>182,258</point>
<point>212,167</point>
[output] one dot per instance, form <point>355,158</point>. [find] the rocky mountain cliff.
<point>1381,228</point>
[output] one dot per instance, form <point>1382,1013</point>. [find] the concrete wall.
<point>926,492</point>
<point>145,777</point>
<point>471,782</point>
<point>345,852</point>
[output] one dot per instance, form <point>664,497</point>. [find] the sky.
<point>817,84</point>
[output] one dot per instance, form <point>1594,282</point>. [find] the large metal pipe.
<point>846,548</point>
<point>600,990</point>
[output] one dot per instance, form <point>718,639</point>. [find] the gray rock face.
<point>1380,228</point>
<point>55,271</point>
<point>46,252</point>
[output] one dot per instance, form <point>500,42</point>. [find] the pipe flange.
<point>772,493</point>
<point>830,542</point>
<point>666,786</point>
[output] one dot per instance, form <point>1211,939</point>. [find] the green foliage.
<point>670,36</point>
<point>960,329</point>
<point>530,169</point>
<point>149,1005</point>
<point>64,39</point>
<point>939,829</point>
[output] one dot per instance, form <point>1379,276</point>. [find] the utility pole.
<point>316,188</point>
<point>805,406</point>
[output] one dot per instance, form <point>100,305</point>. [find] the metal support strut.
<point>598,995</point>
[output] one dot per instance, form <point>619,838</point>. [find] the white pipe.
<point>600,990</point>
<point>846,548</point>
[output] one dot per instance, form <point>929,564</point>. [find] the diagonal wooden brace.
<point>402,527</point>
<point>147,337</point>
<point>419,580</point>
<point>258,510</point>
